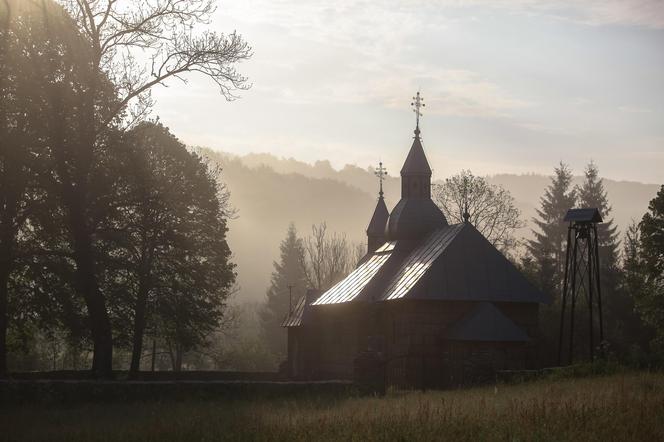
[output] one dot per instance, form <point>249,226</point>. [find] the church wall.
<point>526,316</point>
<point>414,334</point>
<point>411,335</point>
<point>335,340</point>
<point>417,353</point>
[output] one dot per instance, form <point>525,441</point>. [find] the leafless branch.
<point>162,32</point>
<point>491,208</point>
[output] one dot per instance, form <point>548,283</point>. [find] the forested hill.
<point>267,201</point>
<point>269,192</point>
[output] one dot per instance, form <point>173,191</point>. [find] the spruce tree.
<point>287,272</point>
<point>592,194</point>
<point>632,333</point>
<point>633,268</point>
<point>549,246</point>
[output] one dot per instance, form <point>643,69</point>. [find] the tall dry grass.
<point>618,407</point>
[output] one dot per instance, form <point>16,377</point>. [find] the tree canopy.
<point>109,225</point>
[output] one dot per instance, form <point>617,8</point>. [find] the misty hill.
<point>269,192</point>
<point>267,201</point>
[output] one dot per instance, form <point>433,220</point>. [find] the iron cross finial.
<point>381,173</point>
<point>418,103</point>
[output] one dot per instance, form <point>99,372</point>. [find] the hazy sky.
<point>510,86</point>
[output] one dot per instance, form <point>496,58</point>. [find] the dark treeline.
<point>111,231</point>
<point>632,289</point>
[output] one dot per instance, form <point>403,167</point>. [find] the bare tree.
<point>130,47</point>
<point>359,251</point>
<point>327,257</point>
<point>490,208</point>
<point>159,33</point>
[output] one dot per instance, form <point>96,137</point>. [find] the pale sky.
<point>509,86</point>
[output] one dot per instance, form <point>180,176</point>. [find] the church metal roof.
<point>294,317</point>
<point>351,286</point>
<point>454,263</point>
<point>419,261</point>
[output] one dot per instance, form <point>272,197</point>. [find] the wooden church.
<point>437,304</point>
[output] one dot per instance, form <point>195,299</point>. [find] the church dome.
<point>414,218</point>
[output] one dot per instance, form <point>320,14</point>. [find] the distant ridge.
<point>269,192</point>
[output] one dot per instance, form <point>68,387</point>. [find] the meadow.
<point>627,406</point>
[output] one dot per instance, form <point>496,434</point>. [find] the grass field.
<point>618,407</point>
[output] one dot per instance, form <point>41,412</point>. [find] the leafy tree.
<point>650,301</point>
<point>491,209</point>
<point>172,241</point>
<point>112,30</point>
<point>241,345</point>
<point>72,87</point>
<point>34,39</point>
<point>288,276</point>
<point>549,246</point>
<point>15,151</point>
<point>652,235</point>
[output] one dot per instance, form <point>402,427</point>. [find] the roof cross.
<point>418,103</point>
<point>381,173</point>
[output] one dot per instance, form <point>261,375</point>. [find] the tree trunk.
<point>6,264</point>
<point>154,354</point>
<point>178,358</point>
<point>86,278</point>
<point>5,270</point>
<point>139,327</point>
<point>73,161</point>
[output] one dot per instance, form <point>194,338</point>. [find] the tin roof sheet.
<point>351,286</point>
<point>294,318</point>
<point>420,260</point>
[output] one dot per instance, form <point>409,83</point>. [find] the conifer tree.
<point>592,194</point>
<point>633,269</point>
<point>650,300</point>
<point>652,235</point>
<point>631,332</point>
<point>548,247</point>
<point>287,272</point>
